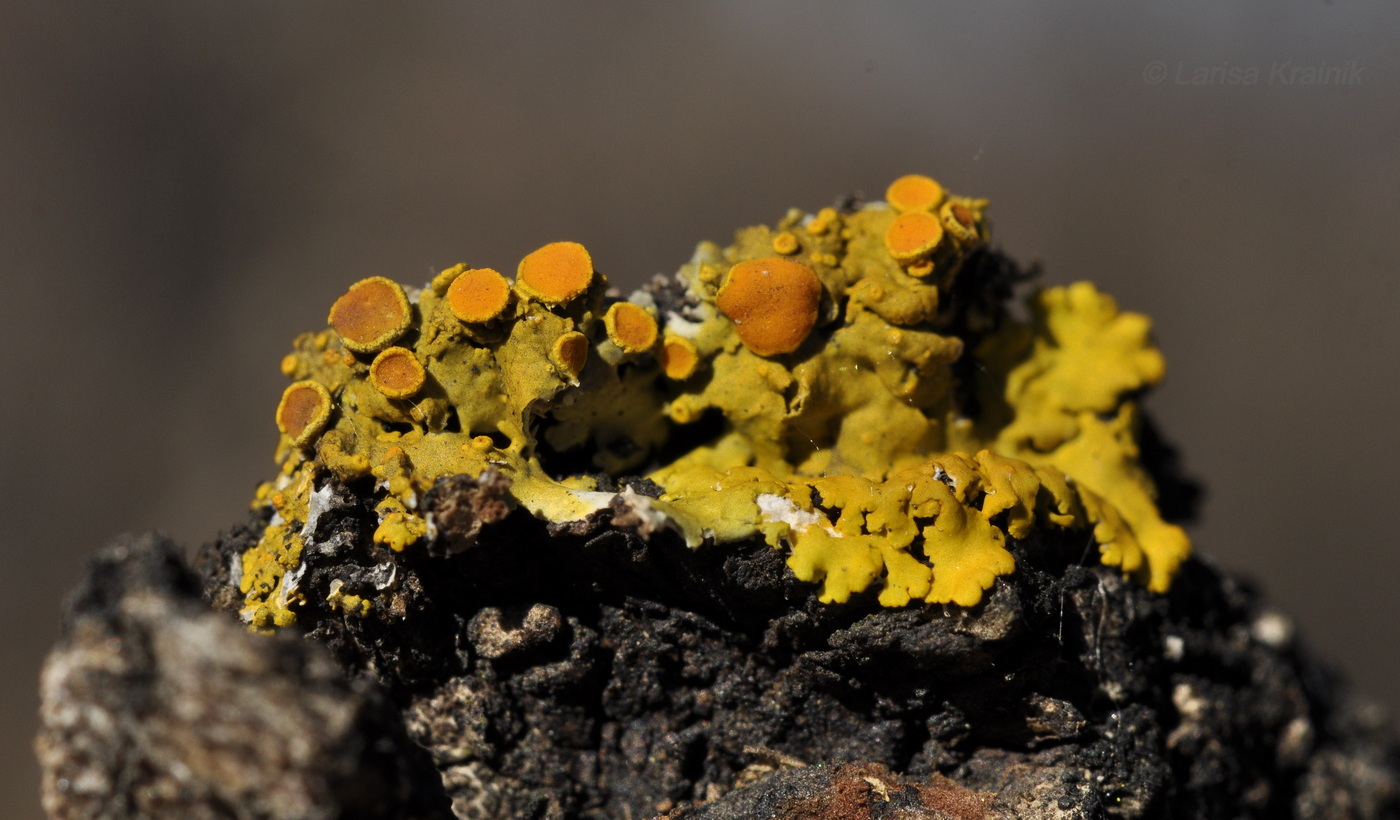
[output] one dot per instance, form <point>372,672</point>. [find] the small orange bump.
<point>630,327</point>
<point>679,357</point>
<point>960,221</point>
<point>556,273</point>
<point>347,359</point>
<point>681,414</point>
<point>303,411</point>
<point>570,353</point>
<point>397,373</point>
<point>913,235</point>
<point>373,313</point>
<point>921,268</point>
<point>914,192</point>
<point>289,365</point>
<point>772,302</point>
<point>822,222</point>
<point>785,243</point>
<point>478,295</point>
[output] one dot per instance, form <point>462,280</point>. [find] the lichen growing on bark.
<point>580,556</point>
<point>846,385</point>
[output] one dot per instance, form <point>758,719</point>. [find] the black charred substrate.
<point>595,673</point>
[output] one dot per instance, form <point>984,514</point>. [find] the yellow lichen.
<point>268,578</point>
<point>398,527</point>
<point>346,602</point>
<point>846,438</point>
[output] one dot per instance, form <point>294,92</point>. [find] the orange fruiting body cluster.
<point>822,350</point>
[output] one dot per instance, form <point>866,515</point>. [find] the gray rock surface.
<point>156,706</point>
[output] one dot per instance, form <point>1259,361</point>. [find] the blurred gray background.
<point>186,186</point>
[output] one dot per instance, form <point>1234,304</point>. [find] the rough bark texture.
<point>600,674</point>
<point>156,706</point>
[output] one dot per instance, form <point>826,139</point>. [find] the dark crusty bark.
<point>595,673</point>
<point>156,706</point>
